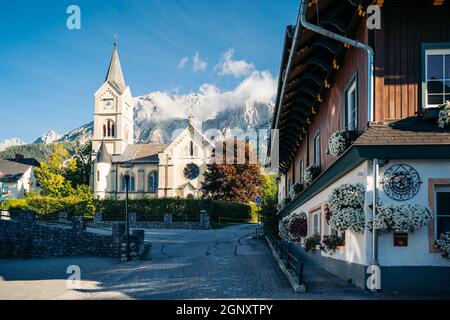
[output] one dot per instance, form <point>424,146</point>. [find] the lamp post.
<point>126,177</point>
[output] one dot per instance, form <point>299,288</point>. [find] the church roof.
<point>140,153</point>
<point>115,75</point>
<point>103,154</point>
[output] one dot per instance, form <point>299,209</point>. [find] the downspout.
<point>370,104</point>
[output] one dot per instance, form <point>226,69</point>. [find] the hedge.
<point>146,209</point>
<point>50,207</point>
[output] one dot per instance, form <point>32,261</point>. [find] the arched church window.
<point>191,149</point>
<point>132,184</point>
<point>131,187</point>
<point>109,129</point>
<point>153,182</point>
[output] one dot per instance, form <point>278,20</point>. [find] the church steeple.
<point>115,75</point>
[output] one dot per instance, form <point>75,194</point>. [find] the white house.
<point>16,179</point>
<point>392,144</point>
<point>156,170</point>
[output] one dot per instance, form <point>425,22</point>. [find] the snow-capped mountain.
<point>158,116</point>
<point>81,134</point>
<point>10,143</point>
<point>48,137</point>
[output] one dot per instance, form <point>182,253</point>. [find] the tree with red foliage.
<point>239,181</point>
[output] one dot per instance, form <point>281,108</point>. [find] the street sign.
<point>258,201</point>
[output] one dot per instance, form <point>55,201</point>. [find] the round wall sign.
<point>401,182</point>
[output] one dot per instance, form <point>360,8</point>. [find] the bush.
<point>50,207</point>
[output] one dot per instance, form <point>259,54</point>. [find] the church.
<point>156,170</point>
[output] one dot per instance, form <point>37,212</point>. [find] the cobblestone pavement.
<point>204,264</point>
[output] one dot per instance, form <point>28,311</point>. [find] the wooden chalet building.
<point>324,87</point>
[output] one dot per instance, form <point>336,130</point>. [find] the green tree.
<point>80,165</point>
<point>239,183</point>
<point>269,204</point>
<point>51,174</point>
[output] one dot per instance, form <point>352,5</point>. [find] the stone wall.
<point>167,223</point>
<point>22,236</point>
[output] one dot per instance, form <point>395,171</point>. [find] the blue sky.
<point>48,74</point>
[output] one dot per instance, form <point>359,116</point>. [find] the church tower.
<point>113,113</point>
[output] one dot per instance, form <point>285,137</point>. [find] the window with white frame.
<point>351,105</point>
<point>317,149</point>
<point>315,227</point>
<point>437,77</point>
<point>442,210</point>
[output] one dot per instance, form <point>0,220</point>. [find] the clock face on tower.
<point>191,171</point>
<point>108,104</point>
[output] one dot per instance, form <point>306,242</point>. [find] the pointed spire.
<point>115,75</point>
<point>103,154</point>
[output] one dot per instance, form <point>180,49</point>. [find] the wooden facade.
<point>406,25</point>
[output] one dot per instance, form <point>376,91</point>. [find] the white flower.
<point>444,244</point>
<point>348,218</point>
<point>283,228</point>
<point>346,204</point>
<point>337,143</point>
<point>401,218</point>
<point>311,173</point>
<point>444,115</point>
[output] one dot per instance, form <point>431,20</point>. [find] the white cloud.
<point>199,64</point>
<point>257,87</point>
<point>183,62</point>
<point>236,68</point>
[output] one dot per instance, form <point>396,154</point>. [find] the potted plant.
<point>311,173</point>
<point>444,115</point>
<point>347,206</point>
<point>287,201</point>
<point>338,143</point>
<point>312,242</point>
<point>331,243</point>
<point>298,188</point>
<point>298,226</point>
<point>444,244</point>
<point>400,218</point>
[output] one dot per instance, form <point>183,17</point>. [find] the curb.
<point>293,280</point>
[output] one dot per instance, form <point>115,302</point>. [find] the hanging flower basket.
<point>347,208</point>
<point>338,143</point>
<point>311,173</point>
<point>298,226</point>
<point>444,115</point>
<point>444,244</point>
<point>287,201</point>
<point>298,188</point>
<point>400,218</point>
<point>293,227</point>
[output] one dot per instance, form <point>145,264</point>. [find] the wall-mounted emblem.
<point>401,182</point>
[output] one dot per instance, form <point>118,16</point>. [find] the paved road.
<point>219,264</point>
